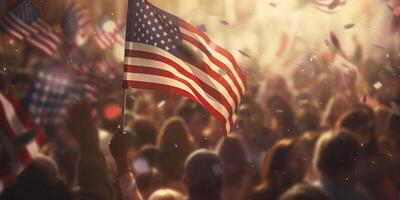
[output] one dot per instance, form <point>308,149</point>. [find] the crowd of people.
<point>314,130</point>
<point>324,132</point>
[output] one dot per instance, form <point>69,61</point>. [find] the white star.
<point>167,48</point>
<point>173,46</point>
<point>151,13</point>
<point>147,31</point>
<point>172,31</point>
<point>139,29</point>
<point>153,29</point>
<point>142,35</point>
<point>151,37</point>
<point>141,10</point>
<point>137,4</point>
<point>155,44</point>
<point>169,40</point>
<point>170,22</point>
<point>147,41</point>
<point>155,20</point>
<point>147,7</point>
<point>145,16</point>
<point>140,19</point>
<point>160,27</point>
<point>143,25</point>
<point>162,42</point>
<point>137,14</point>
<point>158,35</point>
<point>165,33</point>
<point>176,37</point>
<point>149,22</point>
<point>165,17</point>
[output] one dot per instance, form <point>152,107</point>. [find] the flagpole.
<point>123,109</point>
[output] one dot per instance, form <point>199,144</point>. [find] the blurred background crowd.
<point>320,118</point>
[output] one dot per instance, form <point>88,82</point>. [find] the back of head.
<point>336,153</point>
<point>39,180</point>
<point>304,192</point>
<point>203,173</point>
<point>145,130</point>
<point>166,194</point>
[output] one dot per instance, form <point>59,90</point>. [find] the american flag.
<point>108,32</point>
<point>21,132</point>
<point>164,52</point>
<point>75,24</point>
<point>329,6</point>
<point>51,89</point>
<point>24,23</point>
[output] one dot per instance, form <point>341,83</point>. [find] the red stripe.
<point>174,90</point>
<point>22,25</point>
<point>15,27</point>
<point>214,60</point>
<point>219,49</point>
<point>210,90</point>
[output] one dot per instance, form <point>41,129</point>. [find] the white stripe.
<point>25,26</point>
<point>12,117</point>
<point>45,41</point>
<point>11,30</point>
<point>186,66</point>
<point>38,45</point>
<point>15,26</point>
<point>216,54</point>
<point>160,65</point>
<point>216,69</point>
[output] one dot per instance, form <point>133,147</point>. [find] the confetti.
<point>244,53</point>
<point>303,102</point>
<point>161,104</point>
<point>279,111</point>
<point>224,22</point>
<point>365,99</point>
<point>378,85</point>
<point>349,26</point>
<point>327,43</point>
<point>395,108</point>
<point>202,28</point>
<point>378,46</point>
<point>273,4</point>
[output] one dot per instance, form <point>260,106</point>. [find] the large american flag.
<point>75,24</point>
<point>164,52</point>
<point>24,23</point>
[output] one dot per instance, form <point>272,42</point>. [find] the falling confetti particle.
<point>378,85</point>
<point>378,46</point>
<point>176,146</point>
<point>365,99</point>
<point>161,104</point>
<point>224,22</point>
<point>327,43</point>
<point>349,26</point>
<point>279,111</point>
<point>273,4</point>
<point>395,108</point>
<point>244,53</point>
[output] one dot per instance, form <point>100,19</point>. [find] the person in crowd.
<point>175,143</point>
<point>235,167</point>
<point>374,168</point>
<point>304,192</point>
<point>281,169</point>
<point>145,132</point>
<point>203,176</point>
<point>166,194</point>
<point>281,116</point>
<point>40,179</point>
<point>335,158</point>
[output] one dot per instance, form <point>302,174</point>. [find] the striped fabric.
<point>329,6</point>
<point>108,33</point>
<point>20,131</point>
<point>166,53</point>
<point>75,23</point>
<point>23,23</point>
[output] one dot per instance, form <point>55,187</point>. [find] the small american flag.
<point>164,52</point>
<point>108,32</point>
<point>329,6</point>
<point>23,135</point>
<point>51,89</point>
<point>23,23</point>
<point>75,24</point>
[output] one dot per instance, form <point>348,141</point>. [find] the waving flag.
<point>329,6</point>
<point>75,24</point>
<point>23,23</point>
<point>108,32</point>
<point>164,52</point>
<point>19,129</point>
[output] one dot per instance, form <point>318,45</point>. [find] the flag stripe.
<point>187,69</point>
<point>220,53</point>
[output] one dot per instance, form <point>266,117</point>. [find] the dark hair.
<point>394,124</point>
<point>304,192</point>
<point>232,153</point>
<point>145,131</point>
<point>274,162</point>
<point>175,144</point>
<point>283,112</point>
<point>361,121</point>
<point>336,152</point>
